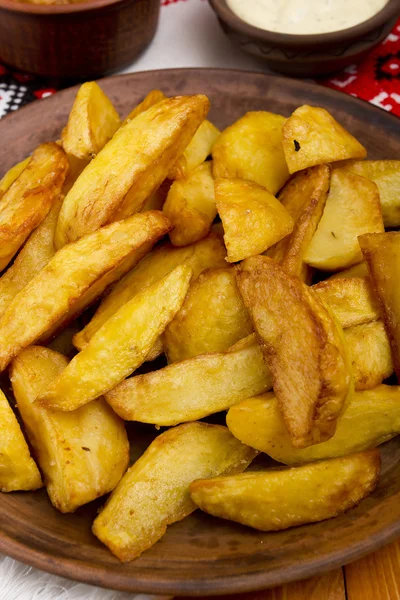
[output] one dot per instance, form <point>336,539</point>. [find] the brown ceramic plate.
<point>202,555</point>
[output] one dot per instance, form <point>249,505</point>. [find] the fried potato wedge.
<point>311,136</point>
<point>207,253</point>
<point>92,122</point>
<point>212,318</point>
<point>82,454</point>
<point>18,470</point>
<point>351,299</point>
<point>253,219</point>
<point>130,167</point>
<point>121,345</point>
<point>154,492</point>
<point>304,198</point>
<point>359,270</point>
<point>197,151</point>
<point>382,253</point>
<point>8,179</point>
<point>386,175</point>
<point>279,499</point>
<point>28,200</point>
<point>303,346</point>
<point>76,166</point>
<point>34,255</point>
<point>72,271</point>
<point>252,149</point>
<point>194,388</point>
<point>371,418</point>
<point>190,206</point>
<point>152,98</point>
<point>369,349</point>
<point>352,208</point>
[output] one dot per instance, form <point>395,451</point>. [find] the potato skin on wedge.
<point>194,388</point>
<point>83,454</point>
<point>121,345</point>
<point>155,491</point>
<point>207,253</point>
<point>18,470</point>
<point>382,253</point>
<point>303,347</point>
<point>371,418</point>
<point>68,276</point>
<point>279,499</point>
<point>30,197</point>
<point>8,179</point>
<point>196,152</point>
<point>133,164</point>
<point>304,197</point>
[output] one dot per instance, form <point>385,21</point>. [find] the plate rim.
<point>215,585</point>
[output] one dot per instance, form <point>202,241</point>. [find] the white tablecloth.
<point>188,36</point>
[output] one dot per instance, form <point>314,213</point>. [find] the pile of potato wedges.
<point>249,269</point>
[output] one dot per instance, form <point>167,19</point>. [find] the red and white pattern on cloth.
<point>377,78</point>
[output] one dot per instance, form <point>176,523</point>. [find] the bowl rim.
<point>57,9</point>
<point>226,14</point>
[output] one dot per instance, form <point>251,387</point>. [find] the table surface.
<point>376,577</point>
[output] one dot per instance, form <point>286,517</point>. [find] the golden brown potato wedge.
<point>197,151</point>
<point>92,122</point>
<point>82,454</point>
<point>28,200</point>
<point>386,175</point>
<point>63,342</point>
<point>208,253</point>
<point>194,388</point>
<point>152,98</point>
<point>130,167</point>
<point>155,491</point>
<point>352,208</point>
<point>382,253</point>
<point>212,318</point>
<point>351,299</point>
<point>371,418</point>
<point>278,499</point>
<point>8,179</point>
<point>359,270</point>
<point>18,470</point>
<point>303,347</point>
<point>304,198</point>
<point>121,345</point>
<point>34,255</point>
<point>68,276</point>
<point>253,219</point>
<point>369,349</point>
<point>190,206</point>
<point>252,149</point>
<point>311,136</point>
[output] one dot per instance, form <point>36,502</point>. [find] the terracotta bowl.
<point>308,55</point>
<point>79,41</point>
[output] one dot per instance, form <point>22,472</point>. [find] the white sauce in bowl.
<point>305,16</point>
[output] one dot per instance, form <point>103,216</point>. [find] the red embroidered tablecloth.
<point>189,35</point>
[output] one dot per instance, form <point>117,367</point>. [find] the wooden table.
<point>376,577</point>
